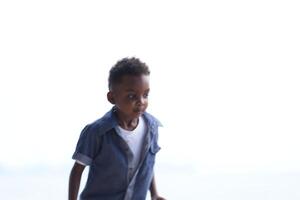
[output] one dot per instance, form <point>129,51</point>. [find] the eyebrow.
<point>131,90</point>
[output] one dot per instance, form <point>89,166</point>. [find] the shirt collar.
<point>109,120</point>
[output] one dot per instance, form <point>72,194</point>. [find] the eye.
<point>146,95</point>
<point>131,96</point>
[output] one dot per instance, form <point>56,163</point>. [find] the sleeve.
<point>87,146</point>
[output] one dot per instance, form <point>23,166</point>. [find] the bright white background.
<point>224,82</point>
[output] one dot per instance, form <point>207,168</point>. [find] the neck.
<point>125,122</point>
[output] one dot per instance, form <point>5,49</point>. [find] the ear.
<point>110,97</point>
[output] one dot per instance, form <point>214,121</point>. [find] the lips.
<point>138,110</point>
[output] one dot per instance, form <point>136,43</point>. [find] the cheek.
<point>129,103</point>
<point>146,103</point>
<point>124,103</point>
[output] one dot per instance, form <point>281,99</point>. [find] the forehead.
<point>132,82</point>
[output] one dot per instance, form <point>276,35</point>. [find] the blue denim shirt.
<point>111,175</point>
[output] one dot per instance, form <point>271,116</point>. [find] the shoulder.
<point>101,125</point>
<point>152,121</point>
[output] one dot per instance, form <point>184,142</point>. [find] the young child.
<point>120,147</point>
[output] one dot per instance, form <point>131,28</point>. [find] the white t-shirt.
<point>135,139</point>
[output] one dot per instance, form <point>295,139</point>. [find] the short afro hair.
<point>126,66</point>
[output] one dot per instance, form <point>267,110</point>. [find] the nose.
<point>141,100</point>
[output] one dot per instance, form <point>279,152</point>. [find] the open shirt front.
<point>111,175</point>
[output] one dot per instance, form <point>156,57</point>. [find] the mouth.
<point>138,111</point>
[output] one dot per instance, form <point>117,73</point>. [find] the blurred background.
<point>224,83</point>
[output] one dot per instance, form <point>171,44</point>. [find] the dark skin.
<point>74,180</point>
<point>130,98</point>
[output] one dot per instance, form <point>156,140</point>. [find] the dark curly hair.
<point>126,66</point>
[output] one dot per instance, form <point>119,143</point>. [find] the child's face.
<point>130,96</point>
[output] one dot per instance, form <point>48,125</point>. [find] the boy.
<point>120,147</point>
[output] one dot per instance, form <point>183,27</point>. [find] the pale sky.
<point>224,78</point>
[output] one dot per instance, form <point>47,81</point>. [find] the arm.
<point>153,191</point>
<point>74,181</point>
